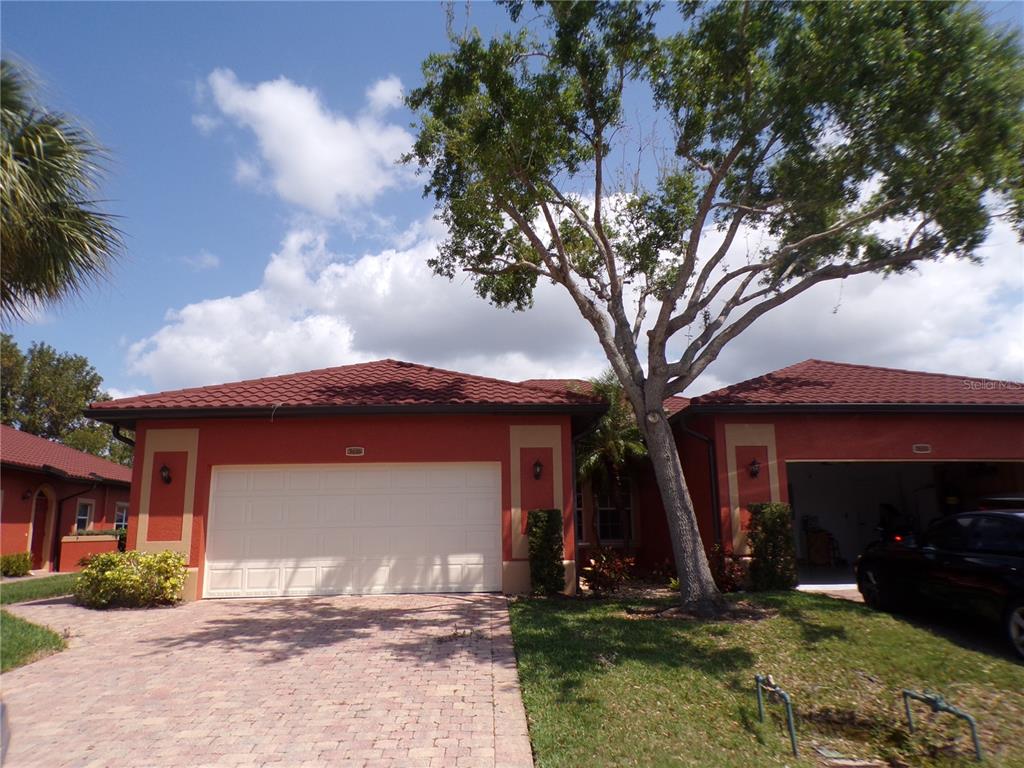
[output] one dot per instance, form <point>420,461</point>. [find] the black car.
<point>971,563</point>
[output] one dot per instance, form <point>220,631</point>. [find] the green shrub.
<point>131,579</point>
<point>544,531</point>
<point>773,564</point>
<point>605,570</point>
<point>18,564</point>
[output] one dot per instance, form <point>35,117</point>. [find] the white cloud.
<point>117,394</point>
<point>946,317</point>
<point>314,309</point>
<point>206,124</point>
<point>385,94</point>
<point>202,261</point>
<point>320,160</point>
<point>247,171</point>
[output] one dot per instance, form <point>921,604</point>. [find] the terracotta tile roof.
<point>673,405</point>
<point>380,384</point>
<point>819,382</point>
<point>32,452</point>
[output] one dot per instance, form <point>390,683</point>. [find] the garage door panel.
<point>229,545</point>
<point>232,481</point>
<point>266,513</point>
<point>301,545</point>
<point>303,480</point>
<point>262,545</point>
<point>224,580</point>
<point>268,480</point>
<point>411,511</point>
<point>262,579</point>
<point>335,510</point>
<point>368,529</point>
<point>298,580</point>
<point>335,543</point>
<point>231,513</point>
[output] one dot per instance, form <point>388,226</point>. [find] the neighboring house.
<point>848,446</point>
<point>396,477</point>
<point>50,493</point>
<point>380,477</point>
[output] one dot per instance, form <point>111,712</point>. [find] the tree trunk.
<point>697,588</point>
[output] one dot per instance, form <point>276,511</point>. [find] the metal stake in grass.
<point>765,682</point>
<point>939,704</point>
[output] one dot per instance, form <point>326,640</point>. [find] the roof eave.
<point>128,416</point>
<point>51,471</point>
<point>716,408</point>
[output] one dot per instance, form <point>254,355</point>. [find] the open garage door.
<point>839,506</point>
<point>383,528</point>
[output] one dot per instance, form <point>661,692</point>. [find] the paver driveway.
<point>409,680</point>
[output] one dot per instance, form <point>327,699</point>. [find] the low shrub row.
<point>131,579</point>
<point>18,564</point>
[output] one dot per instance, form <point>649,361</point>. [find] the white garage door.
<point>375,528</point>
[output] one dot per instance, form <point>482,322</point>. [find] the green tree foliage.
<point>44,392</point>
<point>55,241</point>
<point>605,453</point>
<point>800,142</point>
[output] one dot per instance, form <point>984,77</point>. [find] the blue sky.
<point>268,230</point>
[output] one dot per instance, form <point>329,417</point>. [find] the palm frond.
<point>55,241</point>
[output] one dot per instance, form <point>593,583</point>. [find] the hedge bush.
<point>773,563</point>
<point>544,531</point>
<point>131,579</point>
<point>16,565</point>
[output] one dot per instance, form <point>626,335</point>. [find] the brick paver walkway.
<point>409,680</point>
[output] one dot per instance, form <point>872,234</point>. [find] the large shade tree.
<point>54,239</point>
<point>849,137</point>
<point>43,392</point>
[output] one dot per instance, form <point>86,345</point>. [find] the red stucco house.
<point>380,477</point>
<point>840,443</point>
<point>51,493</point>
<point>396,477</point>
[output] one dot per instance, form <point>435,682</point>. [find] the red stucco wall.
<point>818,437</point>
<point>870,437</point>
<point>17,512</point>
<point>406,438</point>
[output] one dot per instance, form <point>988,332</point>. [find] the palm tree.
<point>607,451</point>
<point>53,242</point>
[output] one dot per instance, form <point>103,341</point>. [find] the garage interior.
<point>838,507</point>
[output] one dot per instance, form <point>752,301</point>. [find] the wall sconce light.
<point>165,474</point>
<point>27,494</point>
<point>754,468</point>
<point>538,468</point>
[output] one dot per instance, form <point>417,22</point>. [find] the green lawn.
<point>36,589</point>
<point>604,689</point>
<point>21,641</point>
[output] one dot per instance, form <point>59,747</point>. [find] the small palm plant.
<point>54,241</point>
<point>606,453</point>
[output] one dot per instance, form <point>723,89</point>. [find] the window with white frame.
<point>121,514</point>
<point>83,514</point>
